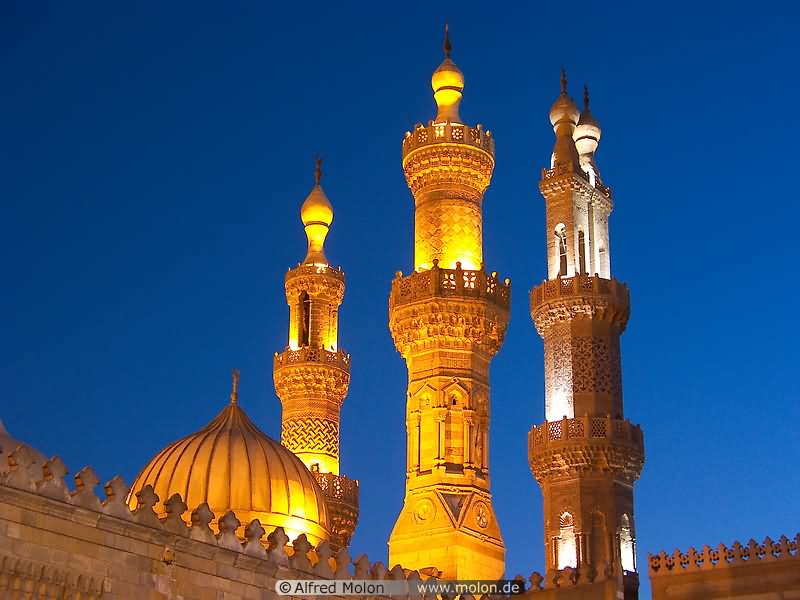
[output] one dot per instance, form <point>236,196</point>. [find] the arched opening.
<point>304,319</point>
<point>582,252</point>
<point>566,549</point>
<point>627,544</point>
<point>561,244</point>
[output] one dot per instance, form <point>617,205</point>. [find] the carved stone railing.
<point>725,557</point>
<point>339,487</point>
<point>334,358</point>
<point>456,282</point>
<point>566,170</point>
<point>579,285</point>
<point>453,133</point>
<point>584,428</point>
<point>563,298</point>
<point>328,270</point>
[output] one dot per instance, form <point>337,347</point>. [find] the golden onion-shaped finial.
<point>317,216</point>
<point>447,83</point>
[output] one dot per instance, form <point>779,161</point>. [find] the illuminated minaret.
<point>312,375</point>
<point>448,319</point>
<point>586,455</point>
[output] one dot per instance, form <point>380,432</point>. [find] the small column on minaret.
<point>448,319</point>
<point>580,312</point>
<point>310,422</point>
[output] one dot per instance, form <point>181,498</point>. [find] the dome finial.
<point>235,386</point>
<point>448,47</point>
<point>563,81</point>
<point>447,83</point>
<point>318,170</point>
<point>585,97</point>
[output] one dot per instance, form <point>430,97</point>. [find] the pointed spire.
<point>318,170</point>
<point>563,81</point>
<point>235,386</point>
<point>448,47</point>
<point>585,97</point>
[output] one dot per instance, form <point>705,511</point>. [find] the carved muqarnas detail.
<point>595,365</point>
<point>311,435</point>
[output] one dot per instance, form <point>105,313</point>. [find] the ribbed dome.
<point>233,465</point>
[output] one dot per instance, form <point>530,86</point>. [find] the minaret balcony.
<point>341,498</point>
<point>564,172</point>
<point>314,269</point>
<point>571,447</point>
<point>450,133</point>
<point>317,356</point>
<point>590,296</point>
<point>449,283</point>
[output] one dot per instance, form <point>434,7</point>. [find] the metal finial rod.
<point>448,47</point>
<point>235,386</point>
<point>318,170</point>
<point>563,81</point>
<point>585,97</point>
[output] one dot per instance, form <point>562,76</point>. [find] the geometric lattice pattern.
<point>311,435</point>
<point>595,366</point>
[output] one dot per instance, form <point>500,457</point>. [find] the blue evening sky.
<point>154,158</point>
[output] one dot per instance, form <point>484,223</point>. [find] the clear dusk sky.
<point>154,158</point>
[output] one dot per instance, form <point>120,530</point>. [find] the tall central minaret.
<point>312,374</point>
<point>586,455</point>
<point>448,319</point>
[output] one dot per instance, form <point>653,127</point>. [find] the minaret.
<point>312,375</point>
<point>448,319</point>
<point>586,455</point>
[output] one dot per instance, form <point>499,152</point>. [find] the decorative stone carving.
<point>253,534</point>
<point>115,503</point>
<point>201,520</point>
<point>174,522</point>
<point>53,485</point>
<point>276,547</point>
<point>226,538</point>
<point>145,512</point>
<point>299,559</point>
<point>86,481</point>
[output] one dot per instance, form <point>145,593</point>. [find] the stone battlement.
<point>290,357</point>
<point>723,557</point>
<point>451,283</point>
<point>450,133</point>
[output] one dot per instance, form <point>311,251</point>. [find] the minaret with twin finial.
<point>448,318</point>
<point>586,455</point>
<point>312,374</point>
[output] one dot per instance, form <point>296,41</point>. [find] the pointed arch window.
<point>566,548</point>
<point>561,244</point>
<point>627,545</point>
<point>582,252</point>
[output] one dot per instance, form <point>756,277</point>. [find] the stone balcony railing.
<point>334,358</point>
<point>456,282</point>
<point>303,269</point>
<point>453,133</point>
<point>584,428</point>
<point>338,487</point>
<point>565,170</point>
<point>579,285</point>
